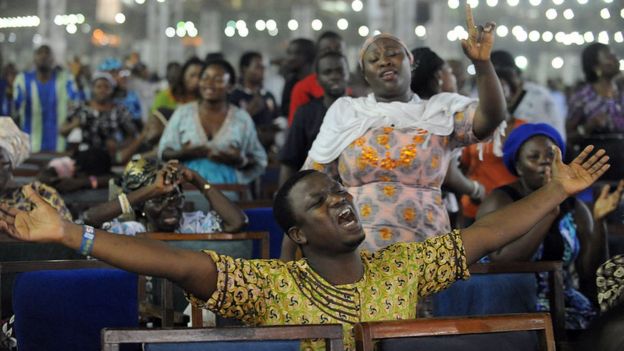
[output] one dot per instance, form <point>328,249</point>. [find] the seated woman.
<point>571,233</point>
<point>89,169</point>
<point>213,137</point>
<point>14,149</point>
<point>156,196</point>
<point>101,123</point>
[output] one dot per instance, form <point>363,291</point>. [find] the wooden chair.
<point>367,332</point>
<point>555,285</point>
<point>331,333</point>
<point>166,310</point>
<point>241,190</point>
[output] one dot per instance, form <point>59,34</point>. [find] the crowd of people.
<point>374,173</point>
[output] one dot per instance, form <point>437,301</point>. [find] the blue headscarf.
<point>520,135</point>
<point>110,64</point>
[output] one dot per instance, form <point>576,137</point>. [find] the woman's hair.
<point>178,88</point>
<point>589,60</point>
<point>227,67</point>
<point>426,64</point>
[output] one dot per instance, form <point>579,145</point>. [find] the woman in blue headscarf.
<point>571,233</point>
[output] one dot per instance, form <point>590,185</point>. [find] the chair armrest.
<point>515,267</point>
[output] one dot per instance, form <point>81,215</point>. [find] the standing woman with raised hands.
<point>391,149</point>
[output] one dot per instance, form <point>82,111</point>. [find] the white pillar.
<point>304,14</point>
<point>164,20</point>
<point>437,28</point>
<point>51,34</point>
<point>210,31</point>
<point>405,20</point>
<point>375,13</point>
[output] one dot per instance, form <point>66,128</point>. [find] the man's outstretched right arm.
<point>193,271</point>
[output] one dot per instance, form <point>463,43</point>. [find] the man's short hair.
<point>325,54</point>
<point>503,60</point>
<point>246,59</point>
<point>328,35</point>
<point>306,47</point>
<point>282,206</point>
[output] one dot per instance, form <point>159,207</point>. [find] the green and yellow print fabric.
<point>272,292</point>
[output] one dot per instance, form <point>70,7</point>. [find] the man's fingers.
<point>620,186</point>
<point>593,159</point>
<point>32,195</point>
<point>479,36</point>
<point>489,27</point>
<point>601,171</point>
<point>6,218</point>
<point>604,192</point>
<point>557,151</point>
<point>583,155</point>
<point>470,24</point>
<point>11,211</point>
<point>598,165</point>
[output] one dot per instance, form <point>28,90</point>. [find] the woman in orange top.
<point>489,169</point>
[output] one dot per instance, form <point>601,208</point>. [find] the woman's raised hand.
<point>582,172</point>
<point>607,202</point>
<point>166,179</point>
<point>480,40</point>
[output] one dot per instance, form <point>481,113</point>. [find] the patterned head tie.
<point>14,141</point>
<point>373,39</point>
<point>610,283</point>
<point>138,173</point>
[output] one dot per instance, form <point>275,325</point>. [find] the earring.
<point>440,82</point>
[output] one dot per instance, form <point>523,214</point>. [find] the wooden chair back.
<point>555,285</point>
<point>367,332</point>
<point>241,190</point>
<point>331,333</point>
<point>166,310</point>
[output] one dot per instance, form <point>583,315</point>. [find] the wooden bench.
<point>331,333</point>
<point>367,332</point>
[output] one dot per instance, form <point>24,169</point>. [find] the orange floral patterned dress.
<point>395,176</point>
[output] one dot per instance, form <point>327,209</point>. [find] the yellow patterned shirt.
<point>272,292</point>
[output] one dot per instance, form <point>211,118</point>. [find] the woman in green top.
<point>185,88</point>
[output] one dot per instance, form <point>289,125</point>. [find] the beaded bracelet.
<point>88,235</point>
